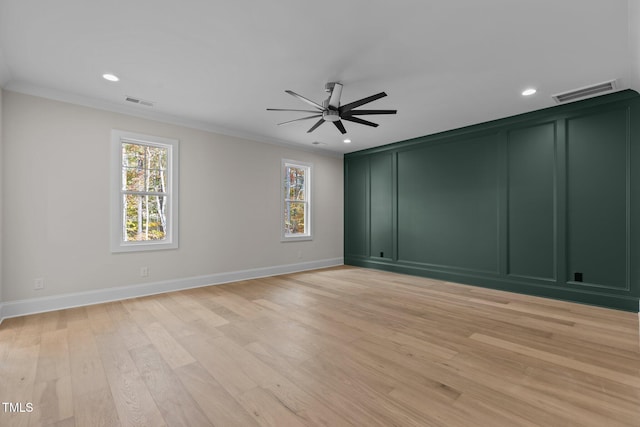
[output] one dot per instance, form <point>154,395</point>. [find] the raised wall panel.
<point>531,201</point>
<point>597,188</point>
<point>356,206</point>
<point>381,237</point>
<point>448,204</point>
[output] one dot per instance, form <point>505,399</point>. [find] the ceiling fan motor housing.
<point>331,115</point>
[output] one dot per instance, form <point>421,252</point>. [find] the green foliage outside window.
<point>295,203</point>
<point>144,181</point>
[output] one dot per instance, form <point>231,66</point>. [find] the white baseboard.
<point>78,299</point>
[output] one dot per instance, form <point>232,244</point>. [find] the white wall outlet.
<point>144,271</point>
<point>38,284</point>
<point>299,254</point>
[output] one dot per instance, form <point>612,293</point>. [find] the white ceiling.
<point>218,65</point>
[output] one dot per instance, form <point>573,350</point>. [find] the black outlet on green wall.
<point>577,277</point>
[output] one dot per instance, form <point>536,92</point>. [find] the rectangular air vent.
<point>139,101</point>
<point>585,92</point>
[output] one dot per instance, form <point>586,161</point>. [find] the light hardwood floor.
<point>333,347</point>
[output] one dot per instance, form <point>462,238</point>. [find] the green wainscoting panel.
<point>531,201</point>
<point>447,204</point>
<point>356,207</point>
<point>520,204</point>
<point>598,188</point>
<point>381,170</point>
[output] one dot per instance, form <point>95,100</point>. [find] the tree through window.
<point>296,215</point>
<point>144,177</point>
<point>147,172</point>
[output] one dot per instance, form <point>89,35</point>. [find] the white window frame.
<point>308,220</point>
<point>118,244</point>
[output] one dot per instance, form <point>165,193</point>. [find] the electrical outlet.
<point>144,271</point>
<point>299,254</point>
<point>38,284</point>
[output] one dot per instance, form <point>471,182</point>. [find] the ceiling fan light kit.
<point>332,111</point>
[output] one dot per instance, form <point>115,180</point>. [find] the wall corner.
<point>634,45</point>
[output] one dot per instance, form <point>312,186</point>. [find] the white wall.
<point>56,202</point>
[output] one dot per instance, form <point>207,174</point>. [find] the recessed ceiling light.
<point>528,92</point>
<point>110,77</point>
<point>347,141</point>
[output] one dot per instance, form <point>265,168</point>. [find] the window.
<point>296,198</point>
<point>144,205</point>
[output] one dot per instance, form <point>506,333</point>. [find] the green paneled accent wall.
<point>381,205</point>
<point>357,202</point>
<point>545,203</point>
<point>598,190</point>
<point>448,204</point>
<point>531,211</point>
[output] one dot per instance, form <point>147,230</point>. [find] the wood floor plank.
<point>157,310</point>
<point>630,380</point>
<point>537,405</point>
<point>53,361</point>
<point>270,305</point>
<point>126,327</point>
<point>341,346</point>
<point>175,403</point>
<point>167,346</point>
<point>220,366</point>
<point>17,386</point>
<point>362,387</point>
<point>95,408</point>
<point>484,414</point>
<point>235,303</point>
<point>99,319</point>
<point>220,407</point>
<point>52,401</point>
<point>267,410</point>
<point>288,394</point>
<point>189,300</point>
<point>132,399</point>
<point>92,400</point>
<point>69,422</point>
<point>620,407</point>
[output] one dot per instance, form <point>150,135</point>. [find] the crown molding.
<point>85,101</point>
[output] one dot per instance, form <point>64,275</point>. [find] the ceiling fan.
<point>332,111</point>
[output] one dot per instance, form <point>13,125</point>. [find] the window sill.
<point>143,247</point>
<point>296,238</point>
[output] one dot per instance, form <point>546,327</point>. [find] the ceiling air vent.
<point>139,101</point>
<point>585,92</point>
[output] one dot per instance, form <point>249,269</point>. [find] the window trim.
<point>308,197</point>
<point>171,240</point>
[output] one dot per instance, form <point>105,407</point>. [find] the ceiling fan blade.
<point>354,104</point>
<point>303,99</point>
<point>340,127</point>
<point>303,118</point>
<point>334,101</point>
<point>318,123</point>
<point>357,120</point>
<point>286,109</point>
<point>366,112</point>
